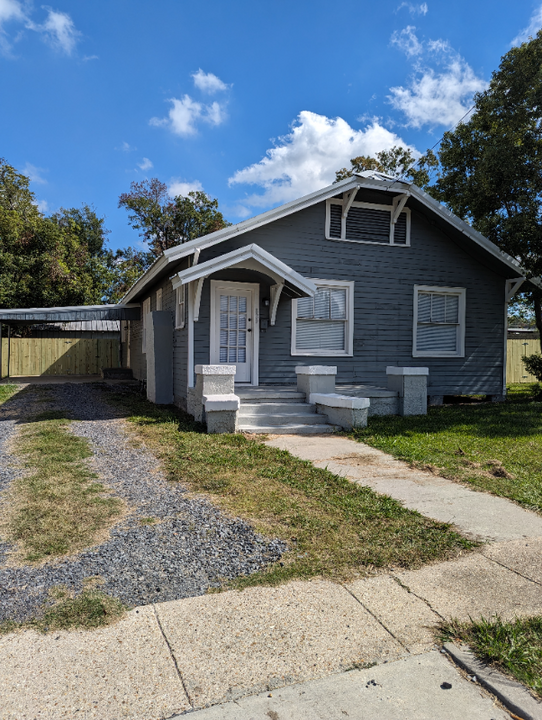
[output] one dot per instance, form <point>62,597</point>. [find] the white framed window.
<point>159,299</point>
<point>145,310</point>
<point>439,321</point>
<point>367,223</point>
<point>324,324</point>
<point>180,307</point>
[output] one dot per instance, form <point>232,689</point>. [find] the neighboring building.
<point>367,273</point>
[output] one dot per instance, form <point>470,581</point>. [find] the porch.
<point>315,406</point>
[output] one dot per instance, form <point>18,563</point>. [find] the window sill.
<point>316,353</point>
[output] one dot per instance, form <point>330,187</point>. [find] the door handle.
<point>249,330</point>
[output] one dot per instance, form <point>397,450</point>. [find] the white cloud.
<point>208,83</point>
<point>181,187</point>
<point>145,164</point>
<point>532,28</point>
<point>186,113</point>
<point>34,173</point>
<point>407,41</point>
<point>58,29</point>
<point>43,206</point>
<point>307,158</point>
<point>87,58</point>
<point>421,9</point>
<point>215,113</point>
<point>438,98</point>
<point>11,10</point>
<point>126,147</point>
<point>434,97</point>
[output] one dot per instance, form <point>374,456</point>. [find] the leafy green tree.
<point>165,221</point>
<point>45,261</point>
<point>397,162</point>
<point>124,267</point>
<point>491,166</point>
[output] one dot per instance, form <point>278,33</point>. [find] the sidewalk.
<point>302,638</point>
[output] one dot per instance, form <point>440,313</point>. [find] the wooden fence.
<point>516,350</point>
<point>59,355</point>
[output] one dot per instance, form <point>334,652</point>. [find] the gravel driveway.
<point>191,547</point>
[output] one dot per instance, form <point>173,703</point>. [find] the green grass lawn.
<point>496,447</point>
<point>514,647</point>
<point>57,507</point>
<point>334,528</point>
<point>6,391</point>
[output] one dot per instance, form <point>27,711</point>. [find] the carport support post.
<point>9,347</point>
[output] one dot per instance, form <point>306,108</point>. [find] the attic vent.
<point>367,223</point>
<point>400,232</point>
<point>335,214</point>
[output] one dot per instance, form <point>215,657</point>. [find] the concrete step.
<point>281,419</point>
<point>288,429</point>
<point>276,408</point>
<point>250,396</point>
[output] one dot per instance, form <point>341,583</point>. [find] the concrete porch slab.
<point>240,643</point>
<point>121,671</point>
<point>474,587</point>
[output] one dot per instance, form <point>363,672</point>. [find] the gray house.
<point>365,297</point>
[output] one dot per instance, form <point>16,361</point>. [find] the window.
<point>145,310</point>
<point>180,305</point>
<point>323,325</point>
<point>439,321</point>
<point>159,299</point>
<point>368,223</point>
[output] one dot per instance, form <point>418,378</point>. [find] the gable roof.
<point>370,180</point>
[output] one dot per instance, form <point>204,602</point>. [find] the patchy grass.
<point>496,447</point>
<point>58,507</point>
<point>89,610</point>
<point>514,647</point>
<point>333,527</point>
<point>6,391</point>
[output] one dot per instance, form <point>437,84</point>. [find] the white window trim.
<point>180,315</point>
<point>145,310</point>
<point>349,322</point>
<point>462,294</point>
<point>159,299</point>
<point>371,206</point>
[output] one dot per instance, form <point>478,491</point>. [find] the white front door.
<point>234,328</point>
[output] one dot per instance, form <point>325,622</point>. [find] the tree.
<point>46,261</point>
<point>491,166</point>
<point>397,162</point>
<point>166,221</point>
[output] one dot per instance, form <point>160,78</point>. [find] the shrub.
<point>533,363</point>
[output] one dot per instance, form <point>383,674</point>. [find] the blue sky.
<point>255,103</point>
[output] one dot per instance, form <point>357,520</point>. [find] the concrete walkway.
<point>291,652</point>
<point>475,514</point>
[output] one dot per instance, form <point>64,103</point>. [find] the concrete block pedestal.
<point>316,379</point>
<point>212,401</point>
<point>411,384</point>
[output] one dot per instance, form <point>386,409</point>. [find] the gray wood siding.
<point>384,279</point>
<point>180,343</point>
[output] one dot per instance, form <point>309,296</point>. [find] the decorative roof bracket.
<point>351,195</point>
